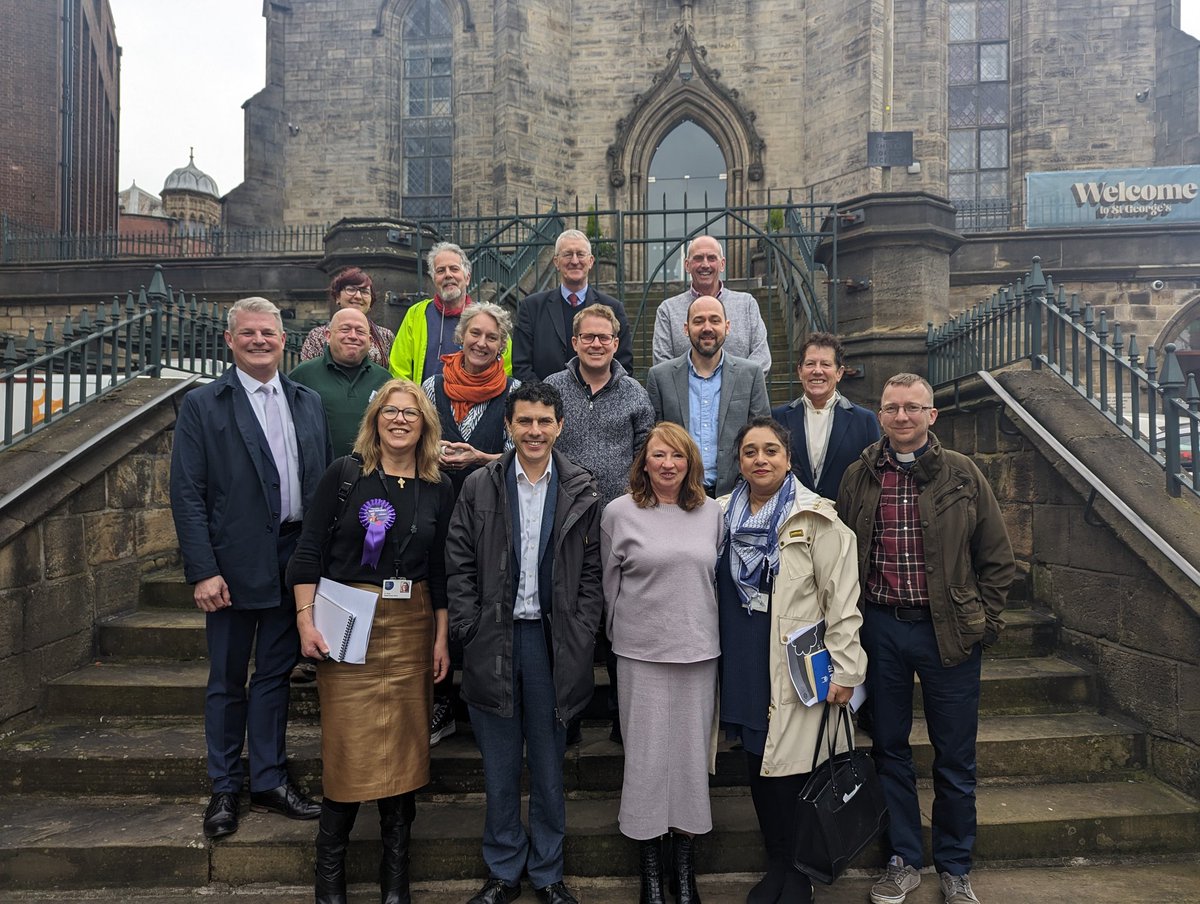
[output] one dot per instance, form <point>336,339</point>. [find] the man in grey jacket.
<point>523,569</point>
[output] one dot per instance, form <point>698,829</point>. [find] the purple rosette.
<point>376,515</point>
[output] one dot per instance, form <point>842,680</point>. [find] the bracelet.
<point>302,608</point>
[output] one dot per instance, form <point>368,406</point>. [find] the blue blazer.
<point>854,428</point>
<point>225,488</point>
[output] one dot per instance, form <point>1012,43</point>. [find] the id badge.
<point>397,589</point>
<point>758,602</point>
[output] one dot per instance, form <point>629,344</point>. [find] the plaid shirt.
<point>896,576</point>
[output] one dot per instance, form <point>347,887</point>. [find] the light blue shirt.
<point>531,497</point>
<point>704,404</point>
<point>258,403</point>
<point>581,294</point>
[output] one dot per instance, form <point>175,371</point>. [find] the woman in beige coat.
<point>787,562</point>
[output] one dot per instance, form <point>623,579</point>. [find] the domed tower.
<point>190,197</point>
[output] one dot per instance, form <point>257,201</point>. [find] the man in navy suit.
<point>542,339</point>
<point>249,449</point>
<point>828,431</point>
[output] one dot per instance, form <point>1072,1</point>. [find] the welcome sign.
<point>1122,197</point>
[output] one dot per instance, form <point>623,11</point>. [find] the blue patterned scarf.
<point>754,538</point>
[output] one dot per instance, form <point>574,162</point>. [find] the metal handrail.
<point>95,440</point>
<point>1156,407</point>
<point>1098,486</point>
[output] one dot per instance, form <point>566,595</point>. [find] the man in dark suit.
<point>709,393</point>
<point>249,449</point>
<point>828,431</point>
<point>542,338</point>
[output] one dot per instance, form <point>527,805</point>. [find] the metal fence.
<point>21,245</point>
<point>1151,403</point>
<point>155,332</point>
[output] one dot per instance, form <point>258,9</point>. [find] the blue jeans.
<point>533,727</point>
<point>895,652</point>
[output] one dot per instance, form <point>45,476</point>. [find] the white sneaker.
<point>895,884</point>
<point>957,889</point>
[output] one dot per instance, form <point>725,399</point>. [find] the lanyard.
<point>412,528</point>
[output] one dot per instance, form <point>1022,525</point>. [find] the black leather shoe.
<point>221,816</point>
<point>556,893</point>
<point>286,801</point>
<point>496,891</point>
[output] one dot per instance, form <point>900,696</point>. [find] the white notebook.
<point>343,615</point>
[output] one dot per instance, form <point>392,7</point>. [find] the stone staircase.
<point>108,789</point>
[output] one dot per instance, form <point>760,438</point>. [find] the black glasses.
<point>589,338</point>
<point>912,409</point>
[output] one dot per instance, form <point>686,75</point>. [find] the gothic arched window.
<point>426,125</point>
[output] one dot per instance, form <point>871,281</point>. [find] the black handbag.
<point>841,809</point>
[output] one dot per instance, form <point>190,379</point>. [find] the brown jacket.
<point>968,560</point>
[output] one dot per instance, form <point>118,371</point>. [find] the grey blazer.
<point>743,396</point>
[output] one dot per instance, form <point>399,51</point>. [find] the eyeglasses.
<point>391,412</point>
<point>912,409</point>
<point>589,338</point>
<point>574,255</point>
<point>361,291</point>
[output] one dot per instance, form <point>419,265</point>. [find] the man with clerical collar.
<point>523,570</point>
<point>542,338</point>
<point>828,431</point>
<point>935,566</point>
<point>709,393</point>
<point>427,331</point>
<point>344,376</point>
<point>249,449</point>
<point>704,263</point>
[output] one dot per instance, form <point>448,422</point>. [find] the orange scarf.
<point>465,389</point>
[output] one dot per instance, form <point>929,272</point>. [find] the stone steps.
<point>1019,685</point>
<point>143,840</point>
<point>165,755</point>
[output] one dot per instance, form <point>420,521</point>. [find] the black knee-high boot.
<point>685,869</point>
<point>333,837</point>
<point>395,830</point>
<point>650,855</point>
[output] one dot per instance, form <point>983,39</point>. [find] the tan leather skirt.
<point>375,717</point>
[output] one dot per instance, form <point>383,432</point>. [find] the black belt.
<point>905,613</point>
<point>287,528</point>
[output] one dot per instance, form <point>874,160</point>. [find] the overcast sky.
<point>187,66</point>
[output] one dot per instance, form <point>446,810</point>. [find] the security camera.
<point>1158,285</point>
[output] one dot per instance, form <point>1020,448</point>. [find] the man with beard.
<point>709,393</point>
<point>542,338</point>
<point>427,331</point>
<point>705,262</point>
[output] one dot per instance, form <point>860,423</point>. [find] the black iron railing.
<point>1153,404</point>
<point>154,332</point>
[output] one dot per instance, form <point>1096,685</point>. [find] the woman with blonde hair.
<point>380,514</point>
<point>659,547</point>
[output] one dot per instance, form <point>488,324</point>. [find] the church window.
<point>426,118</point>
<point>979,113</point>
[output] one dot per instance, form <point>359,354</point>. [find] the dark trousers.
<point>256,718</point>
<point>896,651</point>
<point>775,806</point>
<point>533,728</point>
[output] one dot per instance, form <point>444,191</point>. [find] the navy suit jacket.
<point>542,337</point>
<point>743,396</point>
<point>225,487</point>
<point>854,428</point>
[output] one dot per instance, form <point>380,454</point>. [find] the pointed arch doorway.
<point>687,174</point>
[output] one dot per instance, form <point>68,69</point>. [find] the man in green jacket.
<point>344,376</point>
<point>934,565</point>
<point>427,331</point>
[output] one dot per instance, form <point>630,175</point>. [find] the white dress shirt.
<point>818,424</point>
<point>531,497</point>
<point>258,402</point>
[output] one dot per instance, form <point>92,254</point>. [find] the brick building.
<point>59,171</point>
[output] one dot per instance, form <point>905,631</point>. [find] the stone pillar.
<point>893,273</point>
<point>388,250</point>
